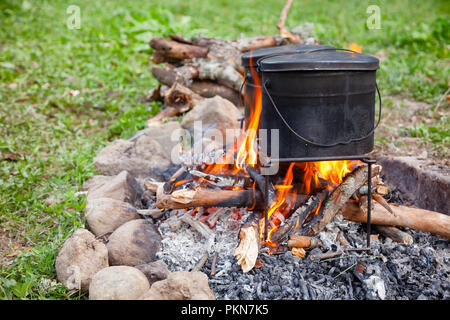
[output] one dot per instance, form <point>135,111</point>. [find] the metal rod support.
<point>369,200</point>
<point>266,206</point>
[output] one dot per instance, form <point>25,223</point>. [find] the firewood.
<point>382,189</point>
<point>181,98</point>
<point>212,220</point>
<point>296,241</point>
<point>179,175</point>
<point>153,213</point>
<point>247,251</point>
<point>338,198</point>
<point>205,88</point>
<point>298,252</point>
<point>199,226</point>
<point>395,234</point>
<point>224,74</point>
<point>247,44</point>
<point>178,50</point>
<point>202,197</point>
<point>213,264</point>
<point>210,89</point>
<point>201,262</point>
<point>152,186</point>
<point>285,33</point>
<point>383,202</point>
<point>408,217</point>
<point>223,180</point>
<point>165,113</point>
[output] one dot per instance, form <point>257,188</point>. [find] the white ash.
<point>183,247</point>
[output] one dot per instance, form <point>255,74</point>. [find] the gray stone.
<point>122,187</point>
<point>139,157</point>
<point>80,257</point>
<point>118,283</point>
<point>214,113</point>
<point>181,285</point>
<point>154,271</point>
<point>134,243</point>
<point>105,214</point>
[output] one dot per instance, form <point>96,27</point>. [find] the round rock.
<point>105,214</point>
<point>118,283</point>
<point>81,257</point>
<point>135,242</point>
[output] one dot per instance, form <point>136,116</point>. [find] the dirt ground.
<point>407,113</point>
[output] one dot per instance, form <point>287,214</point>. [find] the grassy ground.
<point>65,93</point>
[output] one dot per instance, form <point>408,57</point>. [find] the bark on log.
<point>408,217</point>
<point>187,198</point>
<point>330,207</point>
<point>181,98</point>
<point>247,44</point>
<point>395,234</point>
<point>247,251</point>
<point>177,50</point>
<point>210,89</point>
<point>224,74</point>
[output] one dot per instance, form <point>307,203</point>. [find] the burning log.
<point>247,251</point>
<point>338,198</point>
<point>408,217</point>
<point>395,234</point>
<point>177,50</point>
<point>223,180</point>
<point>202,197</point>
<point>303,242</point>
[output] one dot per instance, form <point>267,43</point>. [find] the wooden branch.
<point>181,98</point>
<point>330,207</point>
<point>201,262</point>
<point>395,234</point>
<point>165,113</point>
<point>165,75</point>
<point>199,226</point>
<point>248,249</point>
<point>178,50</point>
<point>210,89</point>
<point>152,186</point>
<point>223,73</point>
<point>223,180</point>
<point>201,197</point>
<point>179,175</point>
<point>247,44</point>
<point>408,217</point>
<point>153,213</point>
<point>304,242</point>
<point>285,33</point>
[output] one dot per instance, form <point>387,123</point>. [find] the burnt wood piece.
<point>202,197</point>
<point>201,262</point>
<point>338,198</point>
<point>179,175</point>
<point>305,205</point>
<point>199,226</point>
<point>408,217</point>
<point>395,234</point>
<point>247,251</point>
<point>178,50</point>
<point>304,242</point>
<point>223,180</point>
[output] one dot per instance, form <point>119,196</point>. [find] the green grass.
<point>107,61</point>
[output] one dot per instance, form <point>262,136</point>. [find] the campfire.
<point>289,208</point>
